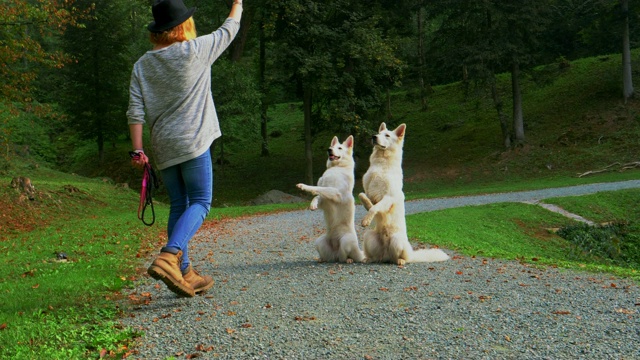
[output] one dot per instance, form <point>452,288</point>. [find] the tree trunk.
<point>518,121</point>
<point>237,46</point>
<point>389,114</point>
<point>465,81</point>
<point>263,90</point>
<point>497,103</point>
<point>221,160</point>
<point>423,92</point>
<point>308,151</point>
<point>627,81</point>
<point>98,113</point>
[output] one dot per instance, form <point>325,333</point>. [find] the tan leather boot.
<point>198,283</point>
<point>166,267</point>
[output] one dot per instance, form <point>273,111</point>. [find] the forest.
<point>66,64</point>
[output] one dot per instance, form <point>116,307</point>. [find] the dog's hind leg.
<point>373,246</point>
<point>324,249</point>
<point>349,250</point>
<point>400,249</point>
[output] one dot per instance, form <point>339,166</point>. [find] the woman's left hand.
<point>139,160</point>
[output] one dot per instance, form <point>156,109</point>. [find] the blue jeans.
<point>190,188</point>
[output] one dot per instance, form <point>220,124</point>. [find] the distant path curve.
<point>417,206</point>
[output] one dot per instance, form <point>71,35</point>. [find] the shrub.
<point>615,242</point>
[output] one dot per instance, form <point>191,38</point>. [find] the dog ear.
<point>400,130</point>
<point>349,142</point>
<point>382,128</point>
<point>334,141</point>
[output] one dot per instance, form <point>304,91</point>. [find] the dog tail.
<point>428,255</point>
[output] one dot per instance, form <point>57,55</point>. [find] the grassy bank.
<point>527,233</point>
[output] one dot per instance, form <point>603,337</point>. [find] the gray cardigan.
<point>170,90</point>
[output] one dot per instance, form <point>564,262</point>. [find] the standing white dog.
<point>384,200</point>
<point>334,195</point>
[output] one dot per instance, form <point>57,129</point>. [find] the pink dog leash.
<point>149,182</point>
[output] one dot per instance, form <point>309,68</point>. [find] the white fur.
<point>334,195</point>
<point>384,200</point>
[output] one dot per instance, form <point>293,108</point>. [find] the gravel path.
<point>272,300</point>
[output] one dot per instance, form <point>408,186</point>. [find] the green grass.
<point>523,232</point>
<point>65,310</point>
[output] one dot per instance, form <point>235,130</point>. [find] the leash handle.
<point>149,180</point>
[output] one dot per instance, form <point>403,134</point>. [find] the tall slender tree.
<point>98,78</point>
<point>627,80</point>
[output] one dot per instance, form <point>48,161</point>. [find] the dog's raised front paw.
<point>314,204</point>
<point>366,221</point>
<point>301,186</point>
<point>365,201</point>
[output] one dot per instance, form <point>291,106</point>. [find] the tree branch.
<point>622,167</point>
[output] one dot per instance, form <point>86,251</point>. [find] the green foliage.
<point>237,102</point>
<point>338,51</point>
<point>610,242</point>
<point>26,28</point>
<point>25,133</point>
<point>96,86</point>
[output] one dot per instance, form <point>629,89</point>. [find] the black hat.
<point>167,14</point>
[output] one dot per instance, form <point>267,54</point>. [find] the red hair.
<point>183,32</point>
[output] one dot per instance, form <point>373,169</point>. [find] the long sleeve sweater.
<point>170,91</point>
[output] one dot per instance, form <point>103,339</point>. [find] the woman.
<point>170,91</point>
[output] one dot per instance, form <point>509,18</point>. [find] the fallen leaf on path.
<point>625,311</point>
<point>201,347</point>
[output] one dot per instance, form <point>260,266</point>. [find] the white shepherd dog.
<point>384,200</point>
<point>334,195</point>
